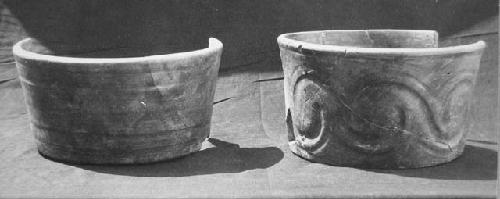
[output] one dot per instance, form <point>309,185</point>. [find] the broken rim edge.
<point>295,45</point>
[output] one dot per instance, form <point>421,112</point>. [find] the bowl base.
<point>129,157</point>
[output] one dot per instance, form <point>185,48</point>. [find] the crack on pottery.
<point>388,128</point>
<point>389,133</point>
<point>6,80</point>
<point>289,124</point>
<point>222,100</point>
<point>379,98</point>
<point>270,79</point>
<point>367,34</point>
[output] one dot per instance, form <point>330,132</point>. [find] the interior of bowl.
<point>370,38</point>
<point>87,51</point>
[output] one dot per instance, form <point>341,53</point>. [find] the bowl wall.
<point>387,110</point>
<point>127,110</point>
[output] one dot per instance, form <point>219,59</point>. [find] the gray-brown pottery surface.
<point>118,110</point>
<point>377,98</point>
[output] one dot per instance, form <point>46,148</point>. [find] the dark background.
<point>248,28</point>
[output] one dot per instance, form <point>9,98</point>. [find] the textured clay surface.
<point>136,111</point>
<point>377,110</point>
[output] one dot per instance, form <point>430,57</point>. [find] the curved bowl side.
<point>386,111</point>
<point>130,110</point>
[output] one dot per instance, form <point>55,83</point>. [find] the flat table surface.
<point>246,155</point>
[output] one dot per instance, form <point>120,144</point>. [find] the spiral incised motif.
<point>386,99</point>
<point>379,114</point>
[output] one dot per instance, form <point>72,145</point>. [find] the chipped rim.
<point>214,45</point>
<point>284,41</point>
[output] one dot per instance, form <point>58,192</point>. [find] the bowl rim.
<point>214,45</point>
<point>284,41</point>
